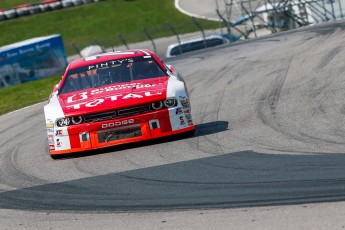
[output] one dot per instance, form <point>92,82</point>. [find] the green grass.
<point>19,96</point>
<point>101,21</point>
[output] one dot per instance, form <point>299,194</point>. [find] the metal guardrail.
<point>152,36</point>
<point>279,15</point>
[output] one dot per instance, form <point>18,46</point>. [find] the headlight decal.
<point>157,105</point>
<point>62,122</point>
<point>170,102</point>
<point>77,120</point>
<point>67,121</point>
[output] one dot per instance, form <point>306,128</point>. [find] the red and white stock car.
<point>115,98</point>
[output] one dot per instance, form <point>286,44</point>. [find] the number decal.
<point>74,98</point>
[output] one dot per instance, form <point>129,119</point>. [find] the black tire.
<point>188,133</point>
<point>56,157</point>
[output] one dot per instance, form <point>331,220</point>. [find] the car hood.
<point>113,96</point>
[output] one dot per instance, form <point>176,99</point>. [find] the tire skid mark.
<point>328,58</point>
<point>217,118</point>
<point>81,167</point>
<point>10,170</point>
<point>198,146</point>
<point>318,138</point>
<point>19,122</point>
<point>339,180</point>
<point>266,107</point>
<point>215,148</point>
<point>267,104</point>
<point>23,133</point>
<point>275,94</point>
<point>11,127</point>
<point>11,173</point>
<point>219,74</point>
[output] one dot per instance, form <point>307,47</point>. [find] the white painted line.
<point>179,8</point>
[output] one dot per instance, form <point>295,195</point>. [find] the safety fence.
<point>157,39</point>
<point>238,19</point>
<point>248,16</point>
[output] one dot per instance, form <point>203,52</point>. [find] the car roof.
<point>109,56</point>
<point>104,57</point>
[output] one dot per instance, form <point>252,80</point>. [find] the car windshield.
<point>111,72</point>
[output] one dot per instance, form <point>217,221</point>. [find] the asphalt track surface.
<point>205,9</point>
<point>270,131</point>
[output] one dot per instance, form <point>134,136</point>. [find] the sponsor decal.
<point>178,111</point>
<point>50,125</point>
<point>185,106</point>
<point>50,139</point>
<point>184,101</point>
<point>115,97</point>
<point>58,143</point>
<point>132,95</point>
<point>122,86</point>
<point>182,122</point>
<point>50,131</point>
<point>189,119</point>
<point>58,132</point>
<point>51,147</point>
<point>187,111</point>
<point>84,95</point>
<point>117,123</point>
<point>110,63</point>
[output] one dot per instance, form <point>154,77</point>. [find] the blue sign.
<point>32,59</point>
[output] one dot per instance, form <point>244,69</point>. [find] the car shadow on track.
<point>235,179</point>
<point>203,129</point>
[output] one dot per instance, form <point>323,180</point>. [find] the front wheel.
<point>56,156</point>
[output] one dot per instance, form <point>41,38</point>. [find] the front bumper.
<point>137,128</point>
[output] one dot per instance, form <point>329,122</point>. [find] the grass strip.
<point>29,93</point>
<point>101,21</point>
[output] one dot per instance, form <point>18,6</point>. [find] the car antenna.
<point>113,48</point>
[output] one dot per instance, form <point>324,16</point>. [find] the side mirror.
<point>172,69</point>
<point>56,88</point>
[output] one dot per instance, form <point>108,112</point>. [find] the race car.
<point>115,98</point>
